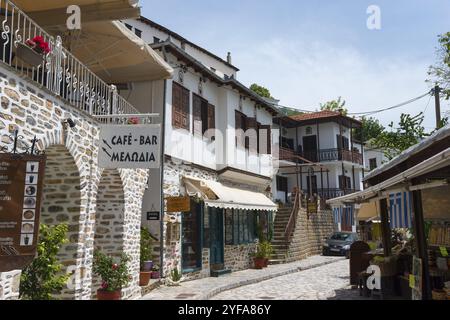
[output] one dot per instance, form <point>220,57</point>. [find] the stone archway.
<point>109,218</point>
<point>61,204</point>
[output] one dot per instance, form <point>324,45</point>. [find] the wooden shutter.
<point>266,138</point>
<point>176,105</point>
<point>251,124</point>
<point>185,108</point>
<point>211,116</point>
<point>197,115</point>
<point>239,124</point>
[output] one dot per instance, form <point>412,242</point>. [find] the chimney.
<point>229,58</point>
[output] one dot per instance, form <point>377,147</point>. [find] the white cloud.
<point>305,74</point>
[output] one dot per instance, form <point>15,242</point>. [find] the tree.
<point>408,133</point>
<point>440,73</point>
<point>370,129</point>
<point>42,278</point>
<point>263,92</point>
<point>334,105</point>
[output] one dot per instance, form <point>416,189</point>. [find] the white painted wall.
<point>374,154</point>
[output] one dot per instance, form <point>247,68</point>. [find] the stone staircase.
<point>280,246</point>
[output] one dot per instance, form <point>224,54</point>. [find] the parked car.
<point>339,243</point>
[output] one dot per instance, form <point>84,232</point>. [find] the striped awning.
<point>400,210</point>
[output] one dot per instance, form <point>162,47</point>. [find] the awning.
<point>116,54</point>
<point>400,181</point>
<point>54,12</point>
<point>368,211</point>
<point>217,195</point>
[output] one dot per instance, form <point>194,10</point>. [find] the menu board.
<point>21,178</point>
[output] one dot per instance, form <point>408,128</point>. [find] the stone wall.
<point>239,257</point>
<point>309,234</point>
<point>36,112</point>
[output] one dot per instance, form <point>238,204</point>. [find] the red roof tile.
<point>315,115</point>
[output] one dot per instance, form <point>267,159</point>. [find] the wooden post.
<point>318,142</point>
<point>421,242</point>
<point>385,228</point>
<point>328,183</point>
<point>353,176</point>
<point>295,152</point>
<point>437,102</point>
<point>321,181</point>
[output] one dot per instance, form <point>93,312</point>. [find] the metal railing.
<point>59,71</point>
<point>293,218</point>
<point>330,193</point>
<point>324,155</point>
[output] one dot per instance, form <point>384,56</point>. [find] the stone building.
<point>102,207</point>
<point>218,151</point>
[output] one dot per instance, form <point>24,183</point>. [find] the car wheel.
<point>347,255</point>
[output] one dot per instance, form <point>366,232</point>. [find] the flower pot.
<point>144,278</point>
<point>29,55</point>
<point>259,263</point>
<point>109,295</point>
<point>266,262</point>
<point>147,266</point>
<point>155,275</point>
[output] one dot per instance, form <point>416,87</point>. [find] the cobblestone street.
<point>327,282</point>
<point>319,278</point>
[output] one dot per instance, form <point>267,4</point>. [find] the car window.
<point>341,236</point>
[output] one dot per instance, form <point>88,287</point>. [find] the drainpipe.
<point>163,149</point>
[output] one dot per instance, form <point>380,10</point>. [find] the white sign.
<point>130,147</point>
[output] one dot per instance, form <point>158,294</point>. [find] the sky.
<point>309,52</point>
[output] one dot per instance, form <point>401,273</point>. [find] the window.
<point>373,163</point>
<point>282,184</point>
<point>138,32</point>
<point>345,183</point>
<point>240,121</point>
<point>308,131</point>
<point>180,106</point>
<point>191,237</point>
<point>265,139</point>
<point>156,40</point>
<point>129,26</point>
<point>240,227</point>
<point>204,115</point>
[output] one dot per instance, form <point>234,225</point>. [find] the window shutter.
<point>176,105</point>
<point>238,125</point>
<point>211,117</point>
<point>251,124</point>
<point>266,139</point>
<point>185,109</point>
<point>197,115</point>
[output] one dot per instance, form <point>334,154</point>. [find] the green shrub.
<point>175,275</point>
<point>146,246</point>
<point>115,276</point>
<point>42,278</point>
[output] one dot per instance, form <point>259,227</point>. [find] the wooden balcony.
<point>325,155</point>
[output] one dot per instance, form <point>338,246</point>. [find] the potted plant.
<point>155,272</point>
<point>145,258</point>
<point>259,258</point>
<point>267,250</point>
<point>114,276</point>
<point>33,51</point>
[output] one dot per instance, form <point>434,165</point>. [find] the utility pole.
<point>437,101</point>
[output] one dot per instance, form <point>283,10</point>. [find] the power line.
<point>393,107</point>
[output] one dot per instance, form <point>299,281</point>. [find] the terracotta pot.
<point>144,278</point>
<point>109,295</point>
<point>259,263</point>
<point>155,275</point>
<point>266,263</point>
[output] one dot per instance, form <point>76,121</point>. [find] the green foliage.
<point>146,246</point>
<point>265,249</point>
<point>260,90</point>
<point>408,133</point>
<point>440,73</point>
<point>175,275</point>
<point>42,278</point>
<point>334,105</point>
<point>371,128</point>
<point>289,111</point>
<point>115,276</point>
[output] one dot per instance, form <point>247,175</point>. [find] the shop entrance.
<point>217,239</point>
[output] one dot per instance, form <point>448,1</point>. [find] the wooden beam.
<point>421,243</point>
<point>89,13</point>
<point>385,228</point>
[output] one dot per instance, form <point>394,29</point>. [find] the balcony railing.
<point>325,155</point>
<point>330,193</point>
<point>59,71</point>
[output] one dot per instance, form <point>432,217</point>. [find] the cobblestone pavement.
<point>327,282</point>
<point>208,288</point>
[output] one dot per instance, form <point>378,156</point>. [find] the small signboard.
<point>21,178</point>
<point>130,147</point>
<point>312,207</point>
<point>153,216</point>
<point>178,204</point>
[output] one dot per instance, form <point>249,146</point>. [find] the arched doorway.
<point>61,204</point>
<point>109,218</point>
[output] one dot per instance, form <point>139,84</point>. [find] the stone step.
<point>218,273</point>
<point>276,261</point>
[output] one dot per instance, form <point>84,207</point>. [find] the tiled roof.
<point>315,115</point>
